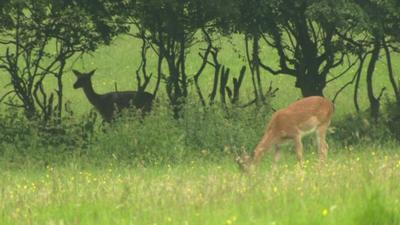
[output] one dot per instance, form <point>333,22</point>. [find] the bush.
<point>206,133</point>
<point>360,129</point>
<point>156,139</point>
<point>24,134</point>
<point>160,139</point>
<point>392,118</point>
<point>217,129</point>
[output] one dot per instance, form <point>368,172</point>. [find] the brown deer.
<point>111,103</point>
<point>310,114</point>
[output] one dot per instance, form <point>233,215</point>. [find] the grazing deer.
<point>291,123</point>
<point>111,103</point>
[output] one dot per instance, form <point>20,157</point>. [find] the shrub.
<point>217,129</point>
<point>360,128</point>
<point>392,118</point>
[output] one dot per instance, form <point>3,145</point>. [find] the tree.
<point>305,37</point>
<point>170,27</point>
<point>39,37</point>
<point>253,19</point>
<point>391,28</point>
<point>380,23</point>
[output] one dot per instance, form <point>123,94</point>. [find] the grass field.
<point>357,186</point>
<point>164,171</point>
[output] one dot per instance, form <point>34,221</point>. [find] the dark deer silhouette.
<point>111,103</point>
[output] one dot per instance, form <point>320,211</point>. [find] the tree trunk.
<point>390,71</point>
<point>159,71</point>
<point>309,79</point>
<point>374,102</point>
<point>250,60</point>
<point>256,66</point>
<point>357,83</point>
<point>311,84</point>
<point>60,90</point>
<point>174,90</point>
<point>311,90</point>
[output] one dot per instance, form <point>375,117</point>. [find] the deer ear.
<point>92,72</point>
<point>76,73</point>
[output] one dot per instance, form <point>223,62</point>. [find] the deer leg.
<point>277,156</point>
<point>322,145</point>
<point>299,149</point>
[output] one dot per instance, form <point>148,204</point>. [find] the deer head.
<point>244,162</point>
<point>83,79</point>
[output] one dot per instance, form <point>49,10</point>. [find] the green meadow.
<point>167,171</point>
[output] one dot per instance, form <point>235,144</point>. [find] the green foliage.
<point>256,16</point>
<point>175,18</point>
<point>341,14</point>
<point>392,118</point>
<point>160,139</point>
<point>216,130</point>
<point>360,129</point>
<point>27,136</point>
<point>155,139</point>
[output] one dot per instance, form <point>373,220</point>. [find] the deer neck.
<point>263,146</point>
<point>91,95</point>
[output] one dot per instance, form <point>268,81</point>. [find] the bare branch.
<point>344,72</point>
<point>282,59</point>
<point>344,87</point>
<point>6,94</point>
